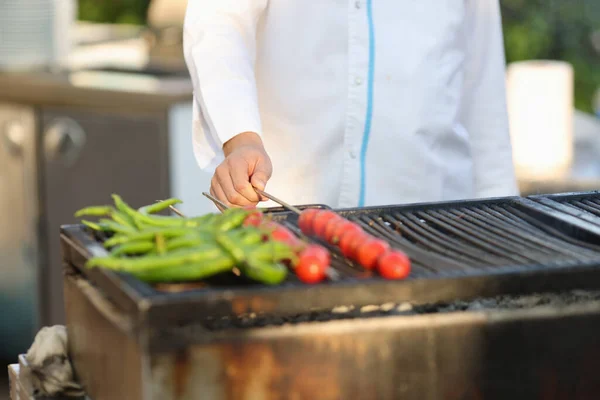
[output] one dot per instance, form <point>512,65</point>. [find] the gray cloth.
<point>50,366</point>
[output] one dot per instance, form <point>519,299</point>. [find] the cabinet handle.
<point>64,140</point>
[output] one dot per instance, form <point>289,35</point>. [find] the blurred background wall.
<point>566,30</point>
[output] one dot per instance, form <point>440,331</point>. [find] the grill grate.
<point>450,241</point>
<point>459,250</point>
<point>578,209</point>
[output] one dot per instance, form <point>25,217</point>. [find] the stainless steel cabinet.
<point>19,210</point>
<point>54,161</point>
<point>87,156</point>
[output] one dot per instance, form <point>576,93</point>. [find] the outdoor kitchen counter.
<point>98,89</point>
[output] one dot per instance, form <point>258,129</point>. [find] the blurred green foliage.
<point>556,30</point>
<point>114,11</point>
<point>533,29</point>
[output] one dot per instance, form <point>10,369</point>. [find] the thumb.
<point>260,175</point>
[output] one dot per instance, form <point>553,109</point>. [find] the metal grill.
<point>581,209</point>
<point>459,250</point>
<point>461,240</point>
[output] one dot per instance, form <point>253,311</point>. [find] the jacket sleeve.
<point>219,48</point>
<point>484,111</point>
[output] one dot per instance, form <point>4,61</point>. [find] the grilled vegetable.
<point>369,252</point>
<point>280,233</point>
<point>393,265</point>
<point>321,220</point>
<point>313,264</point>
<point>342,228</point>
<point>305,220</point>
<point>350,242</point>
<point>354,243</point>
<point>165,248</point>
<point>254,219</point>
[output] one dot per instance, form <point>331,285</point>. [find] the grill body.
<point>232,340</point>
<point>518,354</point>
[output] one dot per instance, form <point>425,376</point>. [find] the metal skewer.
<point>172,208</point>
<point>176,211</point>
<point>278,201</point>
<point>222,206</point>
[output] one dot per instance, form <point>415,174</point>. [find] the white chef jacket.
<point>358,102</point>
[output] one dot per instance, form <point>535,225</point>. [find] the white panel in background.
<point>540,106</point>
<point>188,181</point>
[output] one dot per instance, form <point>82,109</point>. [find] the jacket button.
<point>357,5</point>
<point>357,81</point>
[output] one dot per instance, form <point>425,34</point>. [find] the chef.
<point>350,102</point>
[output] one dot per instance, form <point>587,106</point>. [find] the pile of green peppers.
<point>157,248</point>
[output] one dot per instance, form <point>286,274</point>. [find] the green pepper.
<point>160,243</point>
<point>93,225</point>
<point>273,252</point>
<point>158,207</point>
<point>149,234</point>
<point>115,227</point>
<point>123,219</point>
<point>188,272</point>
<point>132,248</point>
<point>232,218</point>
<point>188,241</point>
<point>196,255</point>
<point>231,247</point>
<point>265,272</point>
<point>94,211</point>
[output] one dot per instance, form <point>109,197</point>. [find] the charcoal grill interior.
<point>459,250</point>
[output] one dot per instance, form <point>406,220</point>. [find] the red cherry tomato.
<point>312,264</point>
<point>321,220</point>
<point>332,227</point>
<point>254,219</point>
<point>305,221</point>
<point>343,229</point>
<point>282,234</point>
<point>350,241</point>
<point>369,252</point>
<point>321,253</point>
<point>393,265</point>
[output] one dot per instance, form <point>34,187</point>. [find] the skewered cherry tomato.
<point>312,264</point>
<point>305,221</point>
<point>369,252</point>
<point>332,227</point>
<point>393,265</point>
<point>282,234</point>
<point>254,219</point>
<point>343,229</point>
<point>350,241</point>
<point>321,220</point>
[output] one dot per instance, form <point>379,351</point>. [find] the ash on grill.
<point>556,300</point>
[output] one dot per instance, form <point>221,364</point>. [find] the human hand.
<point>246,166</point>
